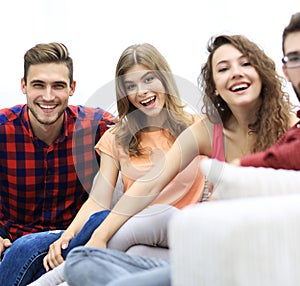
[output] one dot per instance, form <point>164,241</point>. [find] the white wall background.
<point>96,32</point>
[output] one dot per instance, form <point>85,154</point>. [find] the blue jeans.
<point>22,263</point>
<point>97,266</point>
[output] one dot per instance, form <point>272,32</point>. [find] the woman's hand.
<point>54,257</point>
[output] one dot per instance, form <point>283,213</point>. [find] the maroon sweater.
<point>285,154</point>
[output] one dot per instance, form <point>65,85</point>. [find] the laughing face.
<point>145,90</point>
<point>47,92</point>
<point>237,82</point>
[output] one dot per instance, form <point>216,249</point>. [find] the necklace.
<point>237,146</point>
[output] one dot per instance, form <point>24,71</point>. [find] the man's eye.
<point>294,58</point>
<point>59,86</point>
<point>37,85</point>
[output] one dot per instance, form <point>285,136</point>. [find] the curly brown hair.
<point>272,117</point>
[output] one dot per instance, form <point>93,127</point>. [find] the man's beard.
<point>43,122</point>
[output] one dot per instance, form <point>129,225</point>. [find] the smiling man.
<point>47,160</point>
<point>291,50</point>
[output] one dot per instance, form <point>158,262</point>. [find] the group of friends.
<point>60,163</point>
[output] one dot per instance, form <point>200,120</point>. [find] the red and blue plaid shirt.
<point>42,187</point>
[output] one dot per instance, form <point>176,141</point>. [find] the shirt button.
<point>298,125</point>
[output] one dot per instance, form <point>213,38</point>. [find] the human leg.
<point>158,276</point>
<point>97,266</point>
<point>149,251</point>
<point>133,233</point>
<point>86,232</point>
<point>149,227</point>
<point>29,251</point>
<point>53,277</point>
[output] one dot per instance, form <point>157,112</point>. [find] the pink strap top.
<point>218,148</point>
<point>217,152</point>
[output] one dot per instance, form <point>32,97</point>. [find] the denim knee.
<point>29,250</point>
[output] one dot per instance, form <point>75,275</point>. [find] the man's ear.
<point>285,72</point>
<point>23,86</point>
<point>72,88</point>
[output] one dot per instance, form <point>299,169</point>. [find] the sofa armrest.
<point>237,242</point>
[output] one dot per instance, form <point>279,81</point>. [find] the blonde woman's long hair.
<point>131,120</point>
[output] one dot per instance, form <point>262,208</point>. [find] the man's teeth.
<point>47,106</point>
<point>148,100</point>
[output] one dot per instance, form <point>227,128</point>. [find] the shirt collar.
<point>69,113</point>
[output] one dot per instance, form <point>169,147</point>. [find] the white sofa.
<point>249,236</point>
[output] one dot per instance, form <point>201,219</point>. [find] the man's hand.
<point>54,257</point>
<point>4,243</point>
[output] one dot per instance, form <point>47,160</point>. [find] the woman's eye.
<point>149,79</point>
<point>246,64</point>
<point>130,86</point>
<point>222,69</point>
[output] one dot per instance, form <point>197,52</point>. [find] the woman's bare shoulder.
<point>198,117</point>
<point>202,131</point>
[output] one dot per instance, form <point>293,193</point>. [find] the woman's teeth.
<point>148,101</point>
<point>240,87</point>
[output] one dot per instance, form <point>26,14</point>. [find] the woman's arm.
<point>186,147</point>
<point>99,199</point>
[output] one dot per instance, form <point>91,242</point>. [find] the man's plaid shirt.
<point>42,187</point>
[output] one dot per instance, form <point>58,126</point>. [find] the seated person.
<point>193,142</point>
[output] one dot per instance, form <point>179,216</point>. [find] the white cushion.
<point>232,182</point>
<point>237,242</point>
